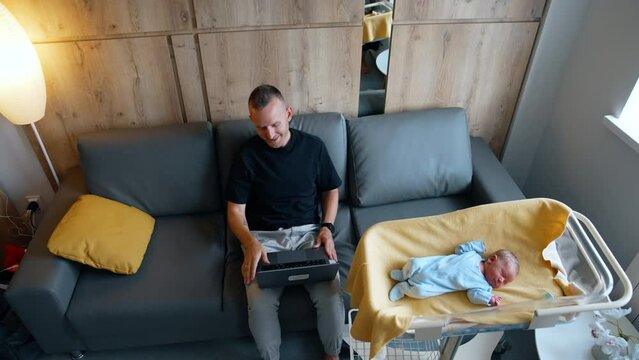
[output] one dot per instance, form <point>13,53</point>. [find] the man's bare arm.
<point>330,200</point>
<point>253,250</point>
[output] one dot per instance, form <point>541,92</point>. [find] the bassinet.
<point>556,243</point>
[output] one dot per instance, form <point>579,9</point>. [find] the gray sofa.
<point>189,286</point>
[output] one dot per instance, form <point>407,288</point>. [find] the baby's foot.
<point>396,293</point>
<point>396,275</point>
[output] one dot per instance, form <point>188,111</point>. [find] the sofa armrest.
<point>42,288</point>
<point>491,182</point>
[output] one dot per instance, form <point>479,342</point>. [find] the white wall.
<point>20,171</point>
<point>577,160</point>
<point>555,42</point>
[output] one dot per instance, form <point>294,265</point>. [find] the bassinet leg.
<point>449,348</point>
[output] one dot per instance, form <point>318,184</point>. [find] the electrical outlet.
<point>33,198</point>
<point>33,205</point>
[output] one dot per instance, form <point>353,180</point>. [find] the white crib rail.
<point>549,317</point>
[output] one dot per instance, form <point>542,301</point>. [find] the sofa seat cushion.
<point>363,218</point>
<point>175,295</point>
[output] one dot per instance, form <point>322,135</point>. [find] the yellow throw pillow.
<point>104,234</point>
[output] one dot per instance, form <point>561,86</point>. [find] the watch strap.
<point>330,226</point>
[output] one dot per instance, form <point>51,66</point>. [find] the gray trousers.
<point>263,304</point>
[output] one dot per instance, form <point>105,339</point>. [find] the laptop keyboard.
<point>293,265</point>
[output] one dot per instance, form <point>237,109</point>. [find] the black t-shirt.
<point>282,187</point>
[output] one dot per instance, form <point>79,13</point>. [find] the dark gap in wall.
<point>193,17</point>
<point>205,93</point>
<point>169,41</point>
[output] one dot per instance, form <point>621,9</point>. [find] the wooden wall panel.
<point>189,76</point>
<point>433,10</point>
<point>94,85</point>
<point>136,63</point>
<point>219,14</point>
<point>479,67</point>
<point>317,69</point>
<point>63,19</point>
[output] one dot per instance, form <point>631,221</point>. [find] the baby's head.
<point>500,268</point>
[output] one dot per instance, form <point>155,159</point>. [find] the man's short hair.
<point>509,257</point>
<point>262,95</point>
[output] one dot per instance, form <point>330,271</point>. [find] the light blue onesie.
<point>435,275</point>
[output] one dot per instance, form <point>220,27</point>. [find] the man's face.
<point>271,122</point>
<point>498,272</point>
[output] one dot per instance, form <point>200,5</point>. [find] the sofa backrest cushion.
<point>408,156</point>
<point>167,170</point>
<point>330,127</point>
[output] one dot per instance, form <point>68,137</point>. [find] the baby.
<point>467,270</point>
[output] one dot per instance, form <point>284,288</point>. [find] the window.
<point>627,125</point>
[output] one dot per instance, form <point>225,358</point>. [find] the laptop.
<point>296,267</point>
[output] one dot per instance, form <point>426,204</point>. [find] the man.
<point>273,193</point>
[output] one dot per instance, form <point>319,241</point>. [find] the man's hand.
<point>495,300</point>
<point>325,239</point>
<point>252,256</point>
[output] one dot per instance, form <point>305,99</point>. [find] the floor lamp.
<point>23,94</point>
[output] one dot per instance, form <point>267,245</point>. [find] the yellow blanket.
<point>525,227</point>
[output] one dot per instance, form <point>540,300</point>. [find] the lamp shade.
<point>23,93</point>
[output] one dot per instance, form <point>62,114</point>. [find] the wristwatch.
<point>330,227</point>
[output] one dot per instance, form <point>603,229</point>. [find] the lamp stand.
<point>46,155</point>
